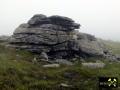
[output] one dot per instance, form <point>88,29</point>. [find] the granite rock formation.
<point>56,36</point>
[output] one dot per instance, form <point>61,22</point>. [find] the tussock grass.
<point>17,72</point>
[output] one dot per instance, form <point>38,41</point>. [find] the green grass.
<point>17,72</point>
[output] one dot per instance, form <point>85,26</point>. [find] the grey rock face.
<point>89,44</point>
<point>57,37</point>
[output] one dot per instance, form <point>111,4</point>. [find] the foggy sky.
<point>97,17</point>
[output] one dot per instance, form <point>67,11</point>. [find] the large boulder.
<point>89,44</point>
<point>56,36</point>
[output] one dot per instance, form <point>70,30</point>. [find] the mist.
<point>100,18</point>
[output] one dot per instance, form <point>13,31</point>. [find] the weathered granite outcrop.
<point>56,36</point>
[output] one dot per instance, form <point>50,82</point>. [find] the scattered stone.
<point>65,85</point>
<point>63,61</point>
<point>111,56</point>
<point>51,65</point>
<point>34,60</point>
<point>94,65</point>
<point>43,56</point>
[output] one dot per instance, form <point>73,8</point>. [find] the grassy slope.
<point>18,73</point>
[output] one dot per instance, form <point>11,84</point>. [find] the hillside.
<point>17,72</point>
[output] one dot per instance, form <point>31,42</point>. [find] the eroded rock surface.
<point>56,36</point>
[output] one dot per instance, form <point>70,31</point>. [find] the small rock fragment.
<point>65,85</point>
<point>63,61</point>
<point>94,65</point>
<point>51,65</point>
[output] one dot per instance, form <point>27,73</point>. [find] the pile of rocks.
<point>56,37</point>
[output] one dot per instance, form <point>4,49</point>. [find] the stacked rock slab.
<point>56,36</point>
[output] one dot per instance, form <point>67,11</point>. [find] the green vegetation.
<point>17,72</point>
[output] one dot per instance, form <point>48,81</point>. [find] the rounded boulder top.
<point>40,19</point>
